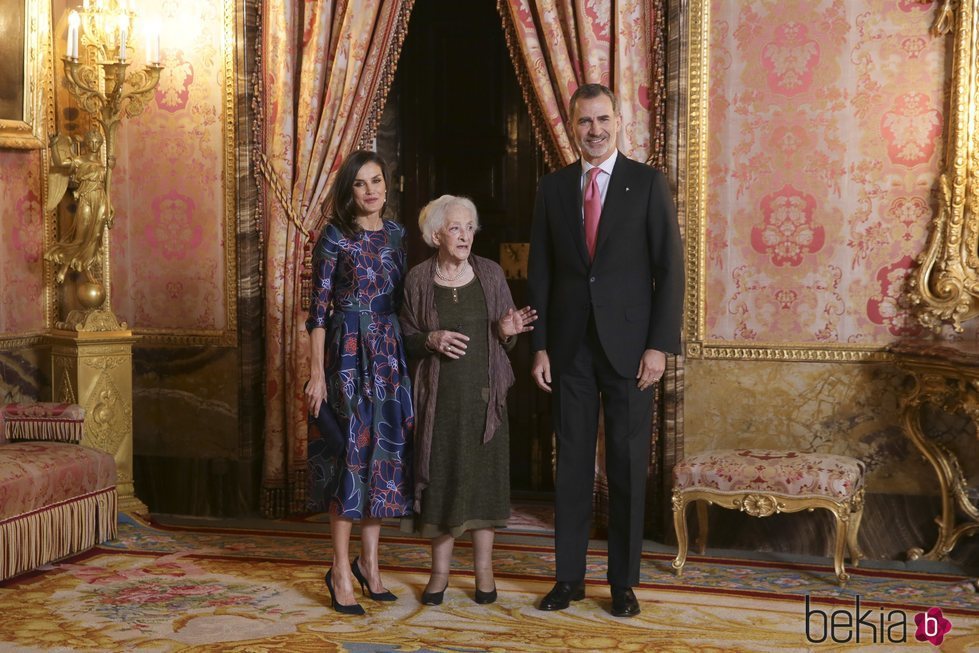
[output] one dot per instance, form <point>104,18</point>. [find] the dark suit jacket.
<point>634,286</point>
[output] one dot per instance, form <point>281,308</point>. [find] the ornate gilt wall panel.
<point>174,246</point>
<point>41,99</point>
<point>814,145</point>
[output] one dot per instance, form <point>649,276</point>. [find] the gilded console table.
<point>947,378</point>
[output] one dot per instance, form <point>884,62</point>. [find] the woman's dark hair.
<point>339,208</point>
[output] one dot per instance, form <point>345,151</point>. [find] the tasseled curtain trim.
<point>55,430</point>
<point>54,532</point>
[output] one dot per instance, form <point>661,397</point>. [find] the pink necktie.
<point>593,209</point>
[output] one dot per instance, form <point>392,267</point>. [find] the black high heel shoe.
<point>434,598</point>
<point>365,586</point>
<point>484,598</point>
<point>354,608</point>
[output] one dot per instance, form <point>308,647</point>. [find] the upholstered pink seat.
<point>762,482</point>
<point>57,497</point>
<point>39,474</point>
<point>791,473</point>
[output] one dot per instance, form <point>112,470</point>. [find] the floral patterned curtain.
<point>558,45</point>
<point>326,66</point>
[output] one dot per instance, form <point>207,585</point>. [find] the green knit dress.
<point>470,480</point>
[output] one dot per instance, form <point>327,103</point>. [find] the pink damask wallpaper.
<point>825,123</point>
<point>21,242</point>
<point>170,259</point>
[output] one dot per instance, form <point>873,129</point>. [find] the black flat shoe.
<point>365,586</point>
<point>354,608</point>
<point>434,598</point>
<point>624,602</point>
<point>561,596</point>
<point>485,598</point>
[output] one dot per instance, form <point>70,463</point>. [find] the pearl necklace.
<point>462,270</point>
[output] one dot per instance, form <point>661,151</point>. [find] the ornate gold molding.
<point>12,341</point>
<point>786,353</point>
<point>26,131</point>
<point>694,192</point>
<point>945,287</point>
<point>229,180</point>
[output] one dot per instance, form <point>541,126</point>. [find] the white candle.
<point>123,33</point>
<point>73,23</point>
<point>153,43</point>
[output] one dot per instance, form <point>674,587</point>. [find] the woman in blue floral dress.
<point>358,366</point>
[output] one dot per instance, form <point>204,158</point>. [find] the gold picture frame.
<point>693,196</point>
<point>24,35</point>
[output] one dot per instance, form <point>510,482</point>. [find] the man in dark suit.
<point>606,277</point>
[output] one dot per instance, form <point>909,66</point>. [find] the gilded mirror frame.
<point>693,194</point>
<point>24,129</point>
<point>944,289</point>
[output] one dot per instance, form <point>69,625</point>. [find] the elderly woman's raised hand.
<point>515,322</point>
<point>448,343</point>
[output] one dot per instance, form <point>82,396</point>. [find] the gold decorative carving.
<point>94,369</point>
<point>760,505</point>
<point>13,341</point>
<point>109,91</point>
<point>944,288</point>
<point>948,379</point>
<point>694,189</point>
<point>24,127</point>
<point>788,353</point>
<point>847,514</point>
<point>92,320</point>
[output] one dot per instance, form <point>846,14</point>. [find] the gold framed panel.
<point>693,194</point>
<point>15,134</point>
<point>24,38</point>
<point>227,337</point>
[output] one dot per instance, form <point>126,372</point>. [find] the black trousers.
<point>579,386</point>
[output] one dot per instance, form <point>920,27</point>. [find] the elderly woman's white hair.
<point>432,216</point>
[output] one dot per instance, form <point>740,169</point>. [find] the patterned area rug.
<point>210,588</point>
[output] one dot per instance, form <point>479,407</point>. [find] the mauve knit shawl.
<point>419,315</point>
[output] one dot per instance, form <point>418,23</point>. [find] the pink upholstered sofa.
<point>57,497</point>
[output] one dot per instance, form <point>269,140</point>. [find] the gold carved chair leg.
<point>702,526</point>
<point>680,526</point>
<point>839,545</point>
<point>856,515</point>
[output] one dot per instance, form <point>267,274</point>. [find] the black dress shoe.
<point>353,608</point>
<point>561,596</point>
<point>365,586</point>
<point>485,598</point>
<point>624,602</point>
<point>434,598</point>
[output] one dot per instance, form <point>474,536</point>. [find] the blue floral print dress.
<point>357,290</point>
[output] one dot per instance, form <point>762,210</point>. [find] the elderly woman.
<point>459,322</point>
